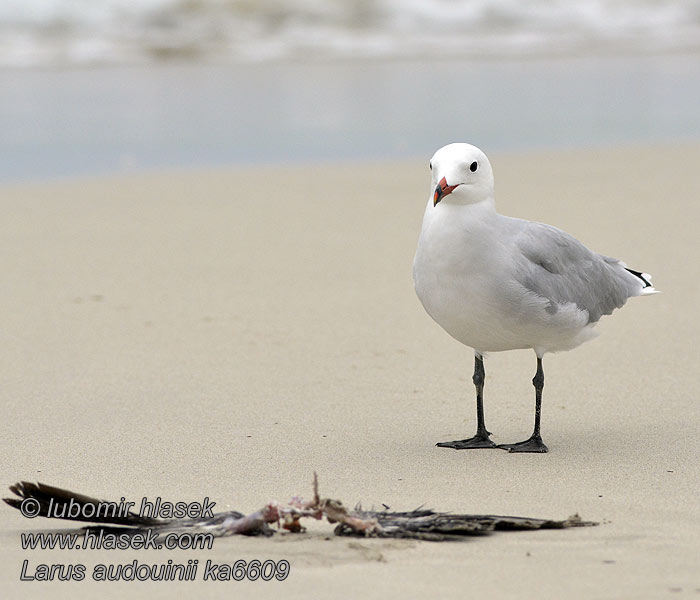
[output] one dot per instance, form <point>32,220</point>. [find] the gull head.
<point>461,174</point>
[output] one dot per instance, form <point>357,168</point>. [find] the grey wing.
<point>561,269</point>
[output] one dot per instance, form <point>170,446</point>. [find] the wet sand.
<point>225,333</point>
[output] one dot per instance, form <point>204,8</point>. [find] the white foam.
<point>45,32</point>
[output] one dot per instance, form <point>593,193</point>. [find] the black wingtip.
<point>640,276</point>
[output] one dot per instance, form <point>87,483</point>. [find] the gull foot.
<point>534,444</point>
<point>478,441</point>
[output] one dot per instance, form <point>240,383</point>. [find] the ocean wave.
<point>84,32</point>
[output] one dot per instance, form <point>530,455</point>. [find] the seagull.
<point>496,283</point>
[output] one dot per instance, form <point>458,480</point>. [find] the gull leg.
<point>481,439</point>
<point>535,443</point>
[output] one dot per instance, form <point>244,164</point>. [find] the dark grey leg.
<point>481,439</point>
<point>535,443</point>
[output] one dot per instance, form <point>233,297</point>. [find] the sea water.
<point>122,119</point>
<point>123,85</point>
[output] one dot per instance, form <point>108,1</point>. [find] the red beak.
<point>442,190</point>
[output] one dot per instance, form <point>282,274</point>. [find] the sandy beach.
<point>226,333</point>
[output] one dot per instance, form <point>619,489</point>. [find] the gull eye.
<point>430,164</point>
<point>473,167</point>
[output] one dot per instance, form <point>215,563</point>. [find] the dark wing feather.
<point>434,526</point>
<point>47,495</point>
<point>52,499</point>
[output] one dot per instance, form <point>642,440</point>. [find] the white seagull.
<point>497,283</point>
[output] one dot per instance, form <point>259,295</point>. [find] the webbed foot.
<point>478,441</point>
<point>534,444</point>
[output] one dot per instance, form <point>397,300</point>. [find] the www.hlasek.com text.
<point>145,539</point>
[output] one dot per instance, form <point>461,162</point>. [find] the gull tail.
<point>647,288</point>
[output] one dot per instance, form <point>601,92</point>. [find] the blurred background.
<point>103,86</point>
